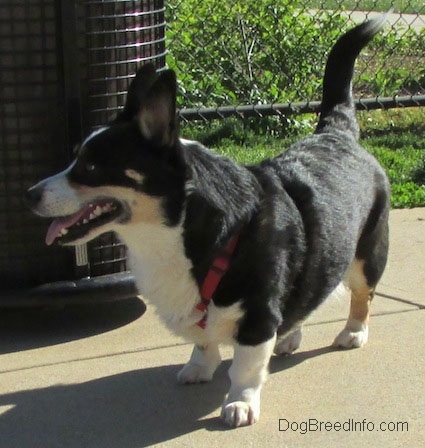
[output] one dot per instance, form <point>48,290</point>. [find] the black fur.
<point>305,220</point>
<point>302,218</point>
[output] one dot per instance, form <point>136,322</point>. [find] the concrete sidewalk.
<point>401,21</point>
<point>100,377</point>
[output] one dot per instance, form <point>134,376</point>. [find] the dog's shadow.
<point>132,409</point>
<point>280,363</point>
<point>137,408</point>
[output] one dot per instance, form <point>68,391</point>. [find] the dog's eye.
<point>90,167</point>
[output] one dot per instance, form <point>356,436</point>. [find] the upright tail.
<point>337,109</point>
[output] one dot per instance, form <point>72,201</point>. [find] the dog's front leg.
<point>247,373</point>
<point>201,366</point>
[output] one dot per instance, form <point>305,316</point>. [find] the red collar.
<point>216,272</point>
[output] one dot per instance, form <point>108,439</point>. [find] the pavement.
<point>400,21</point>
<point>104,376</point>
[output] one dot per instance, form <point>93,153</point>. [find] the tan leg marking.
<point>360,305</point>
<point>361,293</point>
<point>356,331</point>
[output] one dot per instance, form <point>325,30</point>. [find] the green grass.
<point>396,138</point>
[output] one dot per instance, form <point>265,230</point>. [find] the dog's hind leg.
<point>364,274</point>
<point>355,333</point>
<point>289,342</point>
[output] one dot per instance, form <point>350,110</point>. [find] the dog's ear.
<point>157,113</point>
<point>138,89</point>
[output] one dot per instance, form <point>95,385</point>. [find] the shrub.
<point>265,51</point>
<point>228,52</point>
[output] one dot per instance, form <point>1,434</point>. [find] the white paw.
<point>240,413</point>
<point>194,373</point>
<point>289,343</point>
<point>353,336</point>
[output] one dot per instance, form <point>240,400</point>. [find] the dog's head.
<point>129,171</point>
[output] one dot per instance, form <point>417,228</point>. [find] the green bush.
<point>403,157</point>
<point>265,51</point>
<point>227,52</point>
<point>392,63</point>
<point>407,195</point>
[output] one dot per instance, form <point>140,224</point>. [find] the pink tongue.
<point>63,223</point>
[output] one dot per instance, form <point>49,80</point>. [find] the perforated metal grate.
<point>32,132</point>
<point>64,69</point>
<point>120,36</point>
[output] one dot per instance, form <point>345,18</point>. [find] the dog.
<point>232,254</point>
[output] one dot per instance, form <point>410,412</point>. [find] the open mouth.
<point>72,227</point>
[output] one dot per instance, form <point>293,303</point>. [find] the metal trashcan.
<point>64,69</point>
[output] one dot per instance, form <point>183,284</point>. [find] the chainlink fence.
<point>266,57</point>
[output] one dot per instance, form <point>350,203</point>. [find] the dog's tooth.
<point>85,221</point>
<point>97,211</point>
<point>92,216</point>
<point>64,231</point>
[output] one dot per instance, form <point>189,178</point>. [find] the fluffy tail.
<point>337,109</point>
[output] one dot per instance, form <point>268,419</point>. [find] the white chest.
<point>168,285</point>
<point>164,278</point>
<point>163,275</point>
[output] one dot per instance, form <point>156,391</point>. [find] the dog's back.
<point>340,190</point>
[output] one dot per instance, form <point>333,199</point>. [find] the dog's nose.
<point>33,196</point>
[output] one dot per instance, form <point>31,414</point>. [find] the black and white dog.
<point>294,227</point>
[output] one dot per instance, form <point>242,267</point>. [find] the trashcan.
<point>64,69</point>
